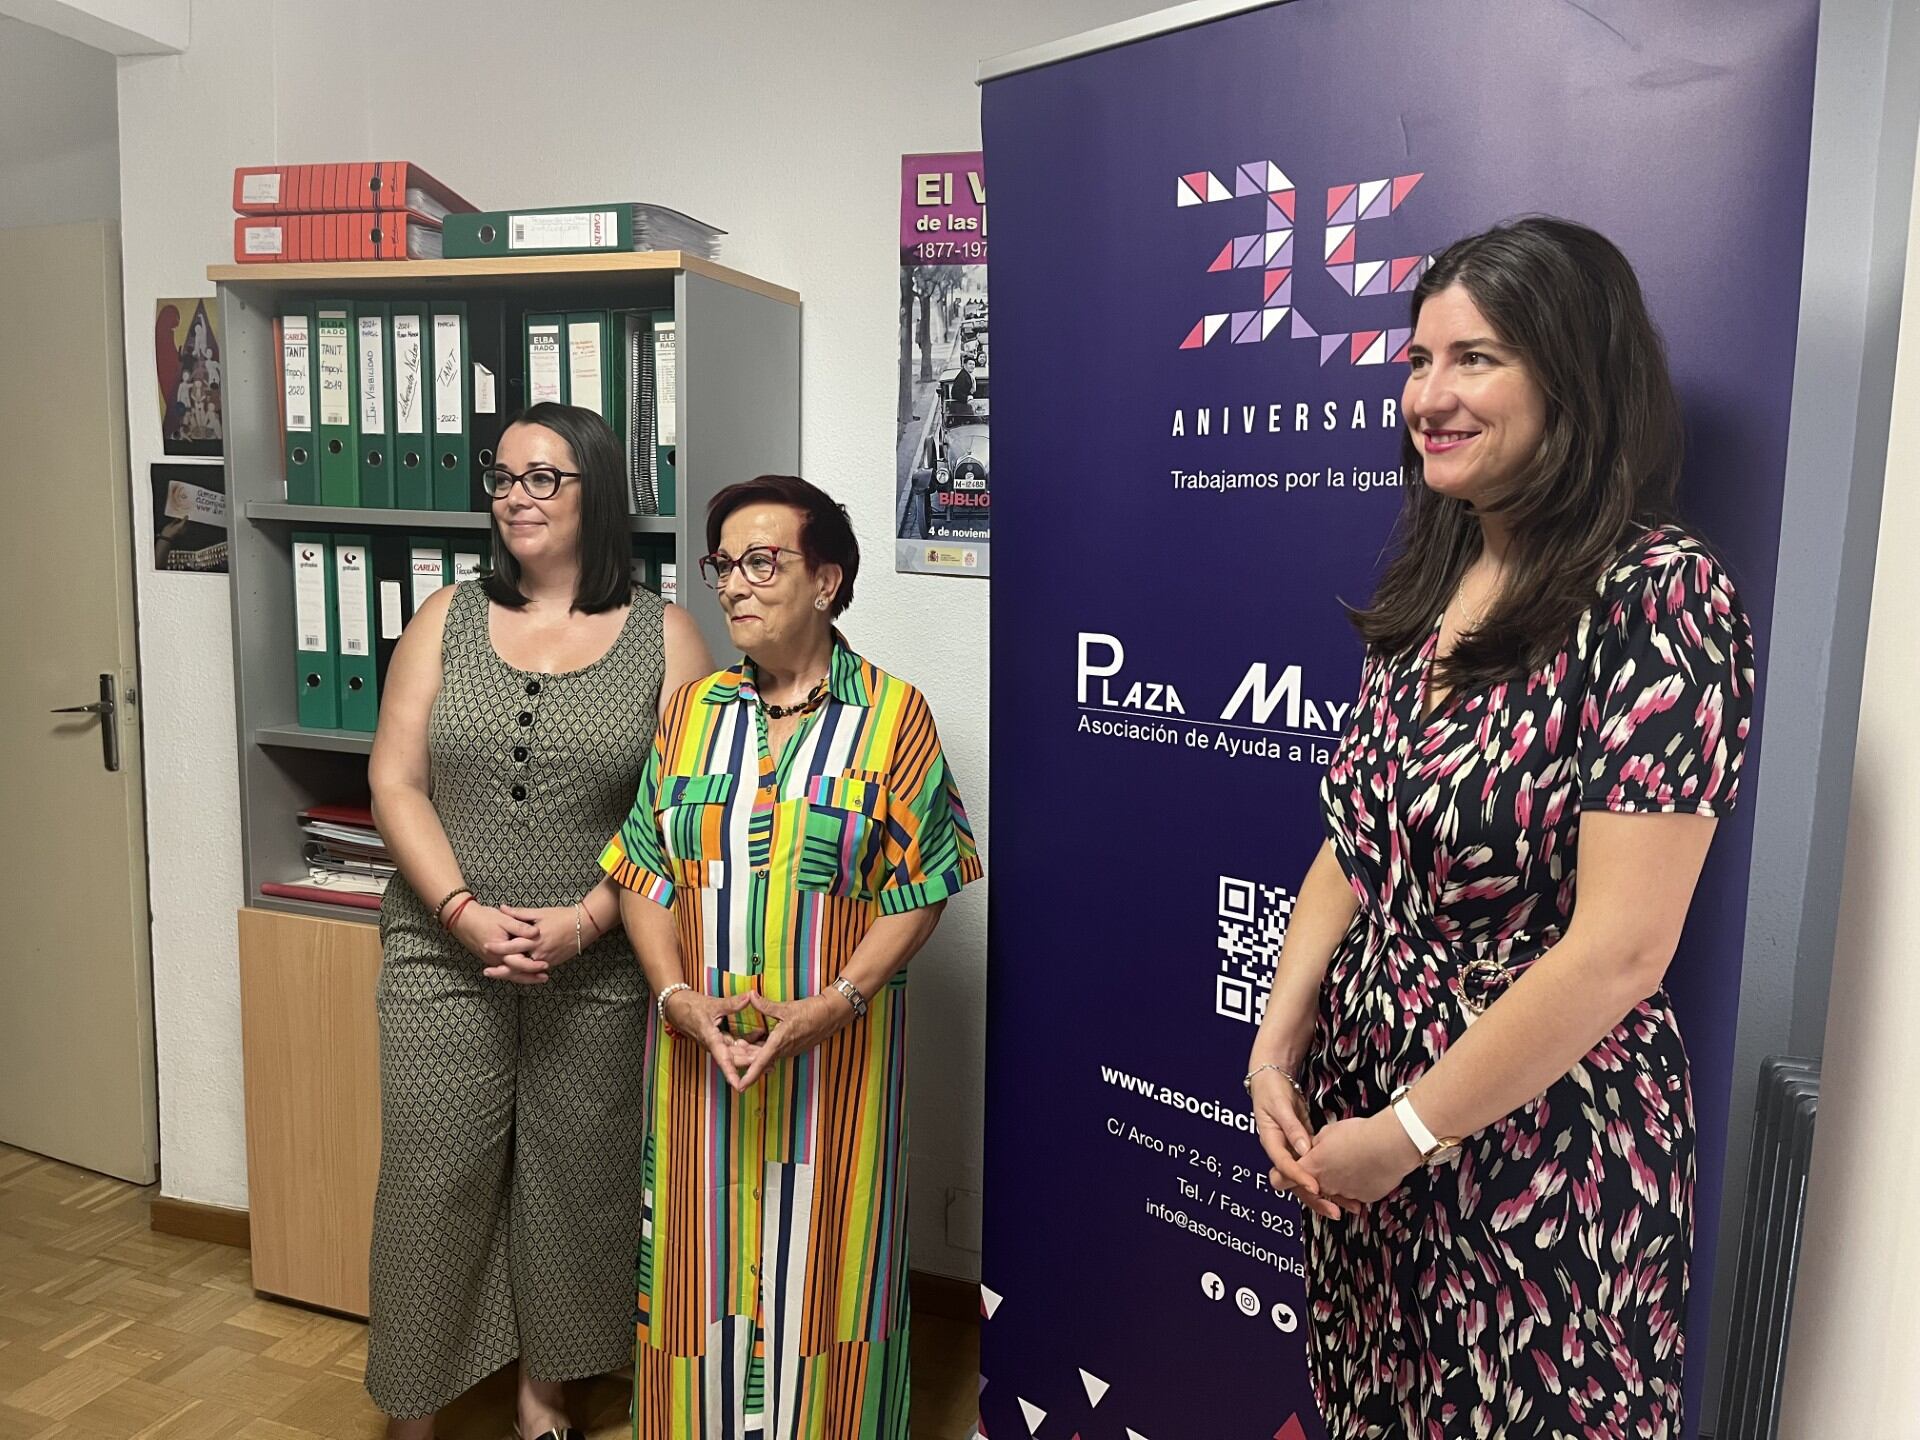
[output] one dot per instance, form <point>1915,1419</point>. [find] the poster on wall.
<point>190,518</point>
<point>186,363</point>
<point>1204,246</point>
<point>943,489</point>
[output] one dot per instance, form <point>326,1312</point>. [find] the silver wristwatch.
<point>854,998</point>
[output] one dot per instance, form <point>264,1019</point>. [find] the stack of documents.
<point>347,861</point>
<point>371,210</point>
<point>343,849</point>
<point>579,230</point>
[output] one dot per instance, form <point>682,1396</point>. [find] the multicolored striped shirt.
<point>772,1284</point>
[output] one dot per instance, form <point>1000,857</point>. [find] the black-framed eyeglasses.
<point>760,563</point>
<point>542,482</point>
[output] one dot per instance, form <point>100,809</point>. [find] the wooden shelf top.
<point>490,272</point>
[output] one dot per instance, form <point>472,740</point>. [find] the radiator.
<point>1769,1249</point>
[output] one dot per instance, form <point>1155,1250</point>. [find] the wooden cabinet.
<point>312,1057</point>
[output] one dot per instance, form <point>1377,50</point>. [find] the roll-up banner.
<point>1204,242</point>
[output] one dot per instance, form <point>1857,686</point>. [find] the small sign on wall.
<point>190,518</point>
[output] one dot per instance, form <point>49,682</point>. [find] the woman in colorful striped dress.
<point>793,842</point>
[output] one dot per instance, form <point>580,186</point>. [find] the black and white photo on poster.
<point>943,491</point>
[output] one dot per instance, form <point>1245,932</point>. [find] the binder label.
<point>466,566</point>
<point>485,399</point>
<point>265,239</point>
<point>310,595</point>
<point>429,574</point>
<point>354,639</point>
<point>296,361</point>
<point>543,364</point>
<point>570,230</point>
<point>409,414</point>
<point>261,189</point>
<point>336,406</point>
<point>665,408</point>
<point>670,582</point>
<point>449,416</point>
<point>583,364</point>
<point>373,379</point>
<point>391,616</point>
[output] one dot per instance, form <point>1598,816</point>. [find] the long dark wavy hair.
<point>1566,299</point>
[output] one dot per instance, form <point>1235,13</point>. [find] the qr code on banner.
<point>1253,922</point>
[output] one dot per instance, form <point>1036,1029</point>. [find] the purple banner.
<point>1204,243</point>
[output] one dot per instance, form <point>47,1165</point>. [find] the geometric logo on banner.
<point>1271,251</point>
<point>989,1302</point>
<point>1201,188</point>
<point>1292,1430</point>
<point>1034,1416</point>
<point>1205,330</point>
<point>1096,1389</point>
<point>1347,207</point>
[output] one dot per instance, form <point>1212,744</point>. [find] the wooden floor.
<point>111,1332</point>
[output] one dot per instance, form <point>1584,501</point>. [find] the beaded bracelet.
<point>660,1005</point>
<point>457,890</point>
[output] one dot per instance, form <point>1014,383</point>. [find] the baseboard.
<point>946,1297</point>
<point>216,1223</point>
<point>940,1295</point>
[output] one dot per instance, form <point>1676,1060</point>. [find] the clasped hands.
<point>521,944</point>
<point>1338,1169</point>
<point>793,1028</point>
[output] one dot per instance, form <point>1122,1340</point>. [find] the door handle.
<point>108,709</point>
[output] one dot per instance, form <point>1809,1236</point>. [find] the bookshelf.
<point>738,415</point>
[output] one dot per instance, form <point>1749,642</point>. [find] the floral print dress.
<point>1535,1285</point>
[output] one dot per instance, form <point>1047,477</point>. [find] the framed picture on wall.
<point>190,518</point>
<point>186,360</point>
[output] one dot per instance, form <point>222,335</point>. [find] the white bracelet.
<point>660,1004</point>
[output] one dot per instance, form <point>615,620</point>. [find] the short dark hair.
<point>1567,300</point>
<point>606,540</point>
<point>826,535</point>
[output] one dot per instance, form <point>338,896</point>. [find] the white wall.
<point>783,124</point>
<point>59,153</point>
<point>1854,1357</point>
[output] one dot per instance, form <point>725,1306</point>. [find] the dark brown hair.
<point>826,535</point>
<point>606,540</point>
<point>1566,299</point>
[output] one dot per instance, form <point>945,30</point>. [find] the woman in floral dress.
<point>1552,716</point>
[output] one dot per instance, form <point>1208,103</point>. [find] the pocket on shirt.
<point>845,823</point>
<point>692,811</point>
